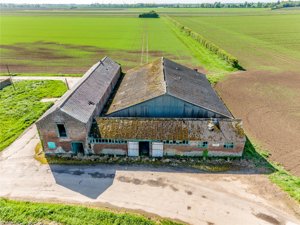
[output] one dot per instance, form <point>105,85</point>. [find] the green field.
<point>260,42</point>
<point>43,213</point>
<point>22,106</point>
<point>61,44</point>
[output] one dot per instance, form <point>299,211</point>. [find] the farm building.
<point>159,109</point>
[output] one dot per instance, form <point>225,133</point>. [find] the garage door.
<point>133,148</point>
<point>157,149</point>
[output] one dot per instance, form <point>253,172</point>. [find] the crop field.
<point>21,106</point>
<point>57,44</point>
<point>266,96</point>
<point>264,42</point>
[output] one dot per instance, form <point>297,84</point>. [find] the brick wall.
<point>110,149</point>
<point>47,127</point>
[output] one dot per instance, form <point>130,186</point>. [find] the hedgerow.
<point>208,44</point>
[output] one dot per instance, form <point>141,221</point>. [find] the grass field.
<point>260,42</point>
<point>70,44</point>
<point>43,213</point>
<point>62,44</point>
<point>22,107</point>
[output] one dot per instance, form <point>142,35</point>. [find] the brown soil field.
<point>269,104</point>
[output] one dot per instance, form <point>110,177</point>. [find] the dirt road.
<point>190,196</point>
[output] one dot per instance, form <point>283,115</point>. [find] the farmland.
<point>22,106</point>
<point>266,96</point>
<point>254,40</point>
<point>67,42</point>
<point>69,45</point>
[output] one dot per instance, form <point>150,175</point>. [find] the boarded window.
<point>51,145</point>
<point>228,145</point>
<point>203,144</point>
<point>61,130</point>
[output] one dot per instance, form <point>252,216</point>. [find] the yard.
<point>21,106</point>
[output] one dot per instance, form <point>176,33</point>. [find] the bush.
<point>151,14</point>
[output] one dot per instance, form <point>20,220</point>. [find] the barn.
<point>158,109</point>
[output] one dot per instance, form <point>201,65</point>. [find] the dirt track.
<point>269,104</point>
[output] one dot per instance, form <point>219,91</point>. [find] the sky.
<point>125,1</point>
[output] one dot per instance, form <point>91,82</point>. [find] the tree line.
<point>208,44</point>
<point>273,5</point>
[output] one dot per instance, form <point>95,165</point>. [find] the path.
<point>70,80</point>
<point>197,198</point>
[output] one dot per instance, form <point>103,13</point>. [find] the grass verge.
<point>279,176</point>
<point>22,106</point>
<point>44,213</point>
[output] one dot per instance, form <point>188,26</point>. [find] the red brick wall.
<point>113,148</point>
<point>76,131</point>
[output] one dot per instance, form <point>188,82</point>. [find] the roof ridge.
<point>164,74</point>
<point>82,80</point>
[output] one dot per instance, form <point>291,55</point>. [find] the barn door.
<point>133,148</point>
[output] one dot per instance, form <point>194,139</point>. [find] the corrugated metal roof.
<point>80,102</point>
<point>164,76</point>
<point>169,129</point>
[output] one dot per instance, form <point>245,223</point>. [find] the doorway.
<point>77,147</point>
<point>144,148</point>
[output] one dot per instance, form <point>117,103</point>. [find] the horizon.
<point>125,2</point>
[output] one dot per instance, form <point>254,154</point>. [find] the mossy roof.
<point>228,130</point>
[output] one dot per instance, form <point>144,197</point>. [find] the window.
<point>229,145</point>
<point>51,145</point>
<point>61,130</point>
<point>203,144</point>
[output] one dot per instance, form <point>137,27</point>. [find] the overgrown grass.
<point>32,213</point>
<point>278,175</point>
<point>22,106</point>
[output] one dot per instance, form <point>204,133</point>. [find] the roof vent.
<point>176,68</point>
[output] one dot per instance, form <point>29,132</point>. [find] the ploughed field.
<point>266,96</point>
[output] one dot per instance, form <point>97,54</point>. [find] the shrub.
<point>151,14</point>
